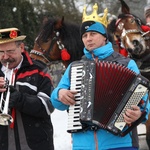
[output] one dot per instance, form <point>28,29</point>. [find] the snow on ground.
<point>62,139</point>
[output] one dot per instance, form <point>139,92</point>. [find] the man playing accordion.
<point>98,48</point>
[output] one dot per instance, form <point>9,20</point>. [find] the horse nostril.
<point>135,42</point>
<point>130,50</point>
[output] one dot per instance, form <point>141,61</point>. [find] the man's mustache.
<point>7,60</point>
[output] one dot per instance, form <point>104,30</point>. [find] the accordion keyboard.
<point>74,123</point>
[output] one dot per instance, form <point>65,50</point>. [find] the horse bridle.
<point>125,32</point>
<point>44,53</point>
<point>143,34</point>
<point>129,31</point>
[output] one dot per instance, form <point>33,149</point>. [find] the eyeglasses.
<point>8,52</point>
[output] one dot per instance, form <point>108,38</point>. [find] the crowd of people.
<point>32,100</point>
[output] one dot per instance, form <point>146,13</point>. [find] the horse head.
<point>57,45</point>
<point>55,42</point>
<point>128,31</point>
<point>46,47</point>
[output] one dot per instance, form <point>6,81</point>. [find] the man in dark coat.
<point>29,125</point>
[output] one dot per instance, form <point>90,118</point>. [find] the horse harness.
<point>56,67</point>
<point>129,31</point>
<point>146,37</point>
<point>44,53</point>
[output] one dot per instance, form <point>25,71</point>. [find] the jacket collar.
<point>101,52</point>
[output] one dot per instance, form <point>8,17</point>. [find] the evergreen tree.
<point>30,23</point>
<point>7,8</point>
<point>20,14</point>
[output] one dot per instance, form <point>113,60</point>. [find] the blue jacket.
<point>104,139</point>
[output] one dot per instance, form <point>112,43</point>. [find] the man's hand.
<point>131,115</point>
<point>2,84</point>
<point>15,98</point>
<point>67,96</point>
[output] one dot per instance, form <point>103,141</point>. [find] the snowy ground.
<point>62,139</point>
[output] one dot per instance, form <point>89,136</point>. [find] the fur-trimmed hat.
<point>10,35</point>
<point>147,11</point>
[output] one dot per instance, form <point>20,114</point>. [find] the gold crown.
<point>94,16</point>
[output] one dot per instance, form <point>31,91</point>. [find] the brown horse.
<point>130,32</point>
<point>57,45</point>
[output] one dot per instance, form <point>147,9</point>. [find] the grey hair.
<point>18,42</point>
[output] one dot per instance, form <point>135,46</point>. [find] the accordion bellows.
<point>105,91</point>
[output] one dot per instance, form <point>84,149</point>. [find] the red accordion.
<point>105,91</point>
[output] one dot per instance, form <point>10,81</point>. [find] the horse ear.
<point>62,20</point>
<point>45,19</point>
<point>60,23</point>
<point>124,7</point>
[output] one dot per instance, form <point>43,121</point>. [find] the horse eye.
<point>117,36</point>
<point>132,20</point>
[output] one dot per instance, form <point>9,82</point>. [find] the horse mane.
<point>46,30</point>
<point>137,19</point>
<point>75,47</point>
<point>69,35</point>
<point>112,25</point>
<point>111,28</point>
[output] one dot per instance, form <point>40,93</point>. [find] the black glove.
<point>15,98</point>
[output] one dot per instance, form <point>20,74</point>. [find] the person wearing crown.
<point>97,47</point>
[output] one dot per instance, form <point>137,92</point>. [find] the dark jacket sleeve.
<point>32,95</point>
